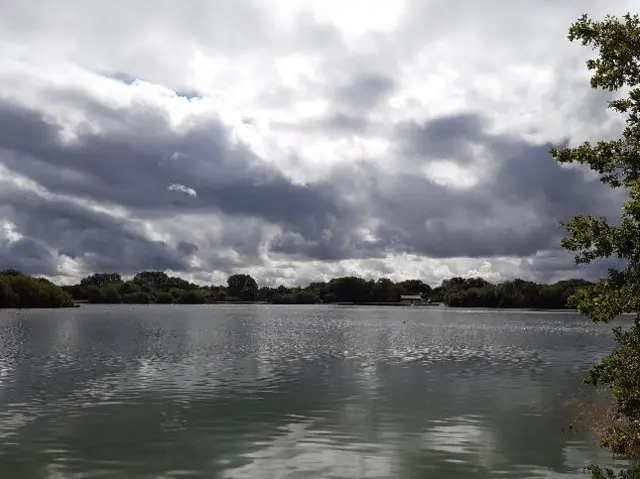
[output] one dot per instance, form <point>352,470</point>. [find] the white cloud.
<point>182,189</point>
<point>8,232</point>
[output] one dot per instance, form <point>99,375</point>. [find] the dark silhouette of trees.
<point>476,292</point>
<point>158,287</point>
<point>18,290</point>
<point>242,286</point>
<point>192,296</point>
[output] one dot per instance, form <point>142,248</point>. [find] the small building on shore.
<point>411,299</point>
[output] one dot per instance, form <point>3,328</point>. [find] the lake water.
<point>292,392</point>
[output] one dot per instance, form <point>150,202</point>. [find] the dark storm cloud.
<point>132,164</point>
<point>340,243</point>
<point>187,248</point>
<point>28,256</point>
<point>140,156</point>
<point>514,211</point>
<point>100,241</point>
<point>549,266</point>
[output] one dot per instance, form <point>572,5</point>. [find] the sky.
<point>296,140</point>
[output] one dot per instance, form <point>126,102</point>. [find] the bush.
<point>164,297</point>
<point>305,297</point>
<point>191,297</point>
<point>21,291</point>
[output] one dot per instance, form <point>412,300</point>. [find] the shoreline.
<point>264,303</point>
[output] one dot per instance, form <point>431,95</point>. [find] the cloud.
<point>28,256</point>
<point>100,241</point>
<point>182,188</point>
<point>126,164</point>
<point>446,137</point>
<point>364,91</point>
<point>294,141</point>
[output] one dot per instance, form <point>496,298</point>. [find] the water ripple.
<point>246,391</point>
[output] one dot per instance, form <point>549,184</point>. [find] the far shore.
<point>390,304</point>
<point>344,303</point>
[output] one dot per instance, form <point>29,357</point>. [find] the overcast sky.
<point>295,140</point>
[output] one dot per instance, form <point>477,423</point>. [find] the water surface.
<point>252,391</point>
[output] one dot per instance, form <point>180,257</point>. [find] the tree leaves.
<point>617,66</point>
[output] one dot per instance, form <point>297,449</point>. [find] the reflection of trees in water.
<point>217,393</point>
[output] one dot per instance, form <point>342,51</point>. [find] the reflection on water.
<point>291,392</point>
<point>302,452</point>
<point>465,440</point>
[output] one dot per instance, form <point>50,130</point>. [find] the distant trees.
<point>386,291</point>
<point>305,297</point>
<point>158,287</point>
<point>145,287</point>
<point>414,286</point>
<point>242,286</point>
<point>18,290</point>
<point>101,280</point>
<point>193,296</point>
<point>517,293</point>
<point>164,297</point>
<point>462,292</point>
<point>349,289</point>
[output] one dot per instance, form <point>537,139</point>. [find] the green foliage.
<point>193,296</point>
<point>158,279</point>
<point>217,293</point>
<point>305,297</point>
<point>414,286</point>
<point>21,291</point>
<point>242,286</point>
<point>139,297</point>
<point>517,293</point>
<point>617,65</point>
<point>158,287</point>
<point>164,297</point>
<point>111,295</point>
<point>349,289</point>
<point>386,291</point>
<point>101,280</point>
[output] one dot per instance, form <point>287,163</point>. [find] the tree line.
<point>18,290</point>
<point>158,287</point>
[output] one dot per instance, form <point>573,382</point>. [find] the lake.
<point>255,391</point>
